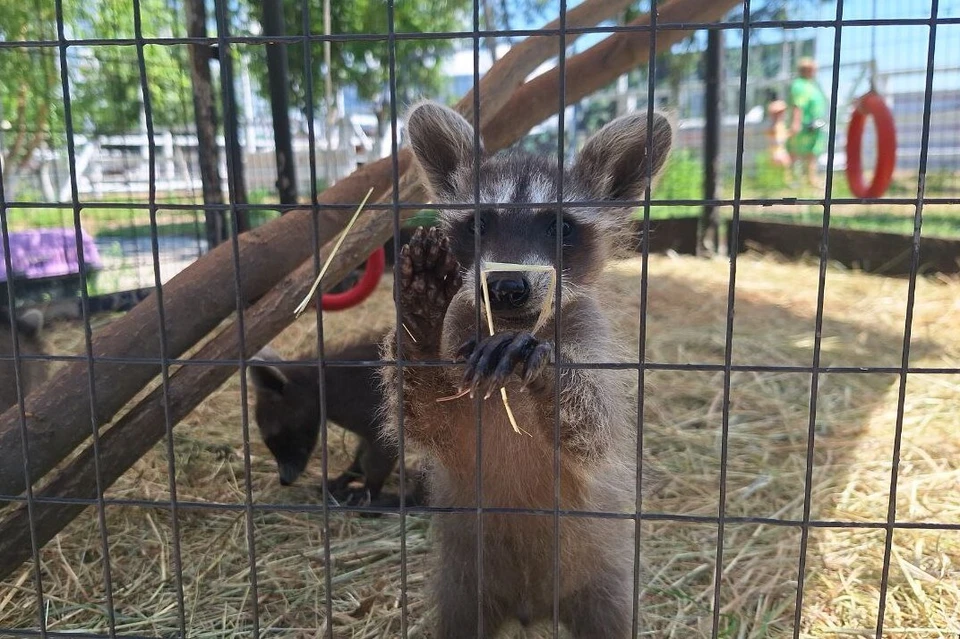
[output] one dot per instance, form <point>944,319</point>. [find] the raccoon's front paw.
<point>429,278</point>
<point>490,363</point>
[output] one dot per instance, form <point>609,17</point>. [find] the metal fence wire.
<point>182,527</point>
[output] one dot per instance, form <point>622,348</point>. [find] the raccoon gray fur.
<point>438,308</point>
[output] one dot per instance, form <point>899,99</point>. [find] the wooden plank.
<point>677,234</point>
<point>871,252</point>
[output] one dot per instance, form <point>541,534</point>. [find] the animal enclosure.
<point>801,416</point>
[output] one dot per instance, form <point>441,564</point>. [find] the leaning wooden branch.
<point>600,65</point>
<point>143,425</point>
<point>58,415</point>
<point>195,302</point>
<point>524,58</point>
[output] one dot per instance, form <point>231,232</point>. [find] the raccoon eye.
<point>566,228</point>
<point>475,226</point>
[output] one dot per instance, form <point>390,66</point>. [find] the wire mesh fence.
<point>792,456</point>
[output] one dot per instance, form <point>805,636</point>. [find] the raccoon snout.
<point>508,292</point>
<point>289,472</point>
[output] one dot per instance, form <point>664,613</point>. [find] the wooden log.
<point>204,294</point>
<point>871,252</point>
<point>673,234</point>
<point>524,58</point>
<point>196,301</point>
<point>600,65</point>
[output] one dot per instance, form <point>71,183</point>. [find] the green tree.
<point>364,64</point>
<point>30,102</point>
<point>106,89</point>
<point>104,80</point>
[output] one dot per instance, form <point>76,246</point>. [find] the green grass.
<point>187,226</point>
<point>121,222</point>
<point>682,179</point>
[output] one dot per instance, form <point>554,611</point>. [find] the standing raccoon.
<point>596,420</point>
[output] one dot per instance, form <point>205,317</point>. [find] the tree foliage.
<point>104,80</point>
<point>106,87</point>
<point>30,101</point>
<point>364,64</point>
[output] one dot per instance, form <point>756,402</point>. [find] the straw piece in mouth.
<point>499,267</point>
<point>493,267</point>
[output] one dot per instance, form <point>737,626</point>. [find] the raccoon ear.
<point>267,378</point>
<point>267,353</point>
<point>30,323</point>
<point>614,164</point>
<point>443,143</point>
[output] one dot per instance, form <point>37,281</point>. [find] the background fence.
<point>111,143</point>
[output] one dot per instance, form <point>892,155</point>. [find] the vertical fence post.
<point>205,118</point>
<point>710,218</point>
<point>231,133</point>
<point>277,74</point>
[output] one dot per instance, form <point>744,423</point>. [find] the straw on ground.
<point>769,419</point>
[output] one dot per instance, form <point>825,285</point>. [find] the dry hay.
<point>768,422</point>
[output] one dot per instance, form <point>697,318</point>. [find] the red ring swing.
<point>871,104</point>
<point>362,289</point>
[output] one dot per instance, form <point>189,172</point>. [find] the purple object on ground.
<point>42,253</point>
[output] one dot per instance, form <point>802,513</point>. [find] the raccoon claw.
<point>429,278</point>
<point>357,497</point>
<point>491,362</point>
<point>339,489</point>
<point>536,362</point>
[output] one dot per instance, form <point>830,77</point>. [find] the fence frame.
<point>399,209</point>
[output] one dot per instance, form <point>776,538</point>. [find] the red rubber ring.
<point>871,105</point>
<point>362,290</point>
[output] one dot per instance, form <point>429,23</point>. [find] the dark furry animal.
<point>288,417</point>
<point>29,327</point>
<point>597,455</point>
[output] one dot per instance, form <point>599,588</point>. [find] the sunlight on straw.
<point>316,284</point>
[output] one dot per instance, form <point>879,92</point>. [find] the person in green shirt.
<point>808,112</point>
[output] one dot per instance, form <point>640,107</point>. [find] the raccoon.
<point>436,293</point>
<point>288,417</point>
<point>29,327</point>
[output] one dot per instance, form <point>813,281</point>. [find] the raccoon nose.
<point>508,292</point>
